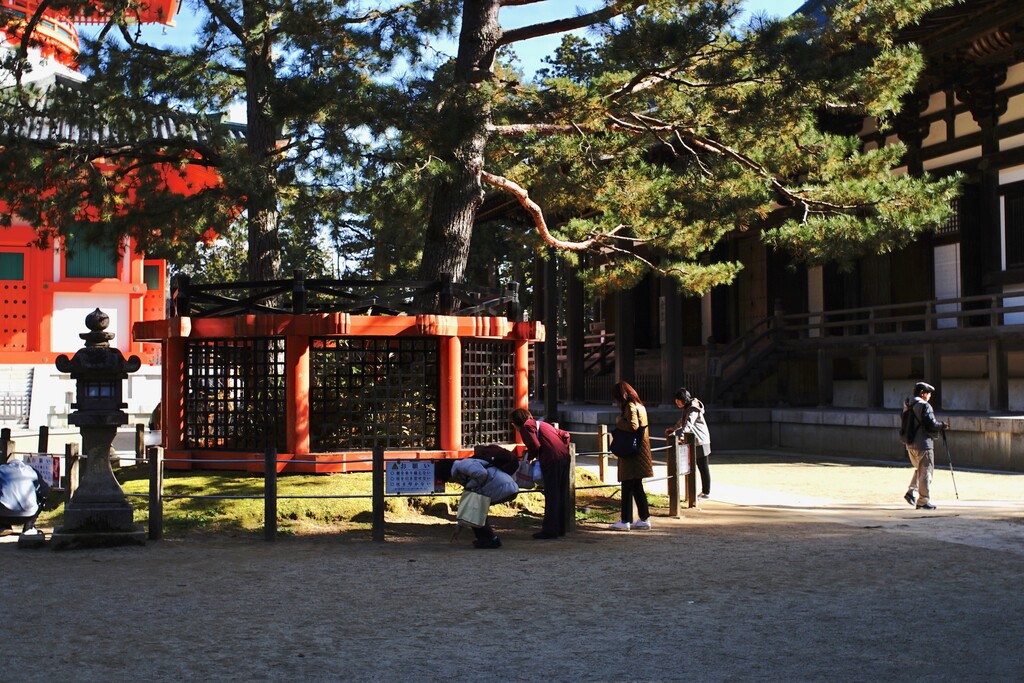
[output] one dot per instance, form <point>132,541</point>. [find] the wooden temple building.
<point>817,360</point>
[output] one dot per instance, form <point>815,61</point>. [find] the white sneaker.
<point>619,526</point>
<point>642,525</point>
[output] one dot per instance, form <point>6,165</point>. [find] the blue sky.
<point>530,52</point>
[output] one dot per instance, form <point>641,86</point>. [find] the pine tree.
<point>673,129</point>
<point>646,144</point>
<point>147,113</point>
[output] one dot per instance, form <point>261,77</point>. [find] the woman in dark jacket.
<point>632,471</point>
<point>551,447</point>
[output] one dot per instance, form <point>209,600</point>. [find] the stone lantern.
<point>98,513</point>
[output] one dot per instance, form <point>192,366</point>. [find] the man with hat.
<point>922,449</point>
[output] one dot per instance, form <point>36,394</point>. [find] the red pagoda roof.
<point>55,33</point>
<point>146,12</point>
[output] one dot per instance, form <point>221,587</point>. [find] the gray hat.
<point>923,386</point>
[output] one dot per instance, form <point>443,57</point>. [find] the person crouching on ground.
<point>922,450</point>
<point>633,416</point>
<point>551,446</point>
<point>484,478</point>
<point>693,422</point>
<point>22,496</point>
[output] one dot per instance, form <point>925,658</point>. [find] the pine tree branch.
<point>225,18</point>
<point>569,24</point>
<point>532,208</point>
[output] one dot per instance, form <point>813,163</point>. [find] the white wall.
<point>70,310</point>
<point>53,392</point>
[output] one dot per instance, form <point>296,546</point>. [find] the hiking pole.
<point>950,459</point>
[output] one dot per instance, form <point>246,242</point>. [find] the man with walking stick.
<point>922,449</point>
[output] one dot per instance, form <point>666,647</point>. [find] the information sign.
<point>408,476</point>
<point>48,467</point>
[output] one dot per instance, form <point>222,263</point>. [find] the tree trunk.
<point>264,261</point>
<point>457,197</point>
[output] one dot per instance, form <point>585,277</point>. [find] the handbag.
<point>535,472</point>
<point>473,508</point>
<point>627,444</point>
<point>524,474</point>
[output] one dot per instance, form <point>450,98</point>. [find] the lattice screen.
<point>235,396</point>
<point>488,391</point>
<point>367,391</point>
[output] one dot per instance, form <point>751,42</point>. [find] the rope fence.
<point>679,459</point>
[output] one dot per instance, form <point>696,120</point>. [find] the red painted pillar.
<point>522,378</point>
<point>451,393</point>
<point>41,306</point>
<point>297,379</point>
<point>173,401</point>
<point>522,370</point>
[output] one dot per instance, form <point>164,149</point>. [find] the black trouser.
<point>556,491</point>
<point>705,474</point>
<point>633,489</point>
<point>26,522</point>
<point>484,533</point>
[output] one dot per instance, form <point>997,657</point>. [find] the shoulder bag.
<point>626,443</point>
<point>472,509</point>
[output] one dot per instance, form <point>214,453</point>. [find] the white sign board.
<point>683,458</point>
<point>408,476</point>
<point>48,467</point>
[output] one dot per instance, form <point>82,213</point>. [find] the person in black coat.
<point>922,449</point>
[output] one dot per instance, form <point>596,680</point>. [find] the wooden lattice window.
<point>85,258</point>
<point>951,226</point>
<point>488,391</point>
<point>370,391</point>
<point>12,266</point>
<point>235,394</point>
<point>151,276</point>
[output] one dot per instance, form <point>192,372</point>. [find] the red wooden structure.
<point>55,34</point>
<point>216,408</point>
<point>44,301</point>
<point>45,293</point>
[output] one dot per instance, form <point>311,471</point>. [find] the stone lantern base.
<point>97,523</point>
<point>96,536</point>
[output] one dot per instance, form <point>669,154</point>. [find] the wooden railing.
<point>598,352</point>
<point>365,297</point>
<point>933,321</point>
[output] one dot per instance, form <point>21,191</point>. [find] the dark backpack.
<point>505,460</point>
<point>908,425</point>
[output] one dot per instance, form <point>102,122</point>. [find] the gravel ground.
<point>793,571</point>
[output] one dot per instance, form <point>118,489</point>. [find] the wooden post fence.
<point>570,503</point>
<point>6,445</point>
<point>604,445</point>
<point>155,455</point>
<point>378,493</point>
<point>691,467</point>
<point>140,442</point>
<point>270,494</point>
<point>682,480</point>
<point>72,467</point>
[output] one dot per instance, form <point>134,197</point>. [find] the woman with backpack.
<point>632,470</point>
